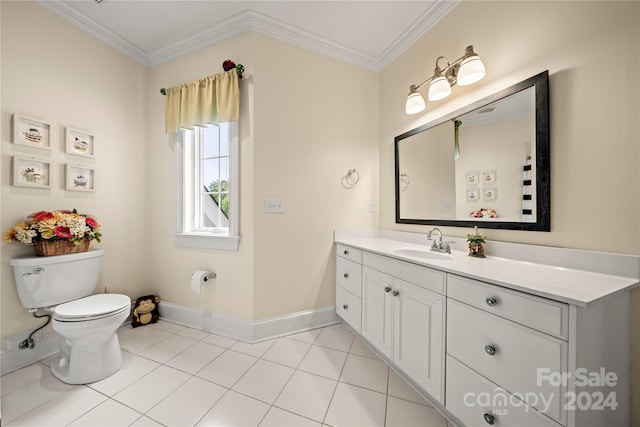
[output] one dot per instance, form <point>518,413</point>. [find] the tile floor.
<point>177,376</point>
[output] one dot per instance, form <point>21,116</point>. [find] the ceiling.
<point>370,34</point>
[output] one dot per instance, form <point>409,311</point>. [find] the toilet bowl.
<point>62,285</point>
<point>89,346</point>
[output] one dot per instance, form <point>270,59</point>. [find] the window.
<point>207,193</point>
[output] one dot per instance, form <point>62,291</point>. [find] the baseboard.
<point>13,358</point>
<point>248,331</point>
<point>47,344</point>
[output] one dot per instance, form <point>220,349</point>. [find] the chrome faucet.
<point>439,245</point>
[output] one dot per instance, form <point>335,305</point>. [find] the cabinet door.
<point>418,347</point>
<point>377,309</point>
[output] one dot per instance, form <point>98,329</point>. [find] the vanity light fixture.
<point>465,71</point>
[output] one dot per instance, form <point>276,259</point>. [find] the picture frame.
<point>31,132</point>
<point>489,193</point>
<point>473,194</point>
<point>30,171</point>
<point>79,177</point>
<point>79,142</point>
<point>489,177</point>
<point>472,178</point>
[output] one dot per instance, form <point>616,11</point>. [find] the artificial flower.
<point>52,226</point>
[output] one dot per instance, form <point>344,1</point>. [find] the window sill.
<point>207,241</point>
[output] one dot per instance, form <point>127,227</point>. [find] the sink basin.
<point>423,254</point>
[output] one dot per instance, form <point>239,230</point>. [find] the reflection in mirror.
<point>486,164</point>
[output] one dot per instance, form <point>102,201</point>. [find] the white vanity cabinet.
<point>349,285</point>
<point>403,318</point>
<point>495,341</point>
<point>516,359</point>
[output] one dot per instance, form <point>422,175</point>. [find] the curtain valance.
<point>212,99</point>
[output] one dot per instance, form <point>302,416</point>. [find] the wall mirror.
<point>486,164</point>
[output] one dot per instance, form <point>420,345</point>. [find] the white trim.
<point>207,241</point>
<point>246,330</point>
<point>254,21</point>
<point>13,358</point>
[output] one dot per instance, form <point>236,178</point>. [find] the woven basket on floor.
<point>59,247</point>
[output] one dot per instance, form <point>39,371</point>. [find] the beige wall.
<point>305,120</point>
<point>55,71</point>
<point>595,189</point>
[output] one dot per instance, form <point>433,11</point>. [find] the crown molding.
<point>95,29</point>
<point>250,20</point>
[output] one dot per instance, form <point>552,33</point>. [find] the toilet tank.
<point>52,280</point>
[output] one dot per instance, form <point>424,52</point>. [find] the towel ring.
<point>352,177</point>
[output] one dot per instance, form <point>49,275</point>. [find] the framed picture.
<point>473,194</point>
<point>489,193</point>
<point>79,177</point>
<point>472,178</point>
<point>31,132</point>
<point>31,172</point>
<point>489,177</point>
<point>79,142</point>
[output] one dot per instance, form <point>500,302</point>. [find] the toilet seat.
<point>93,307</point>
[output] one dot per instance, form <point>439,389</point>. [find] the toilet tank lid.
<point>46,260</point>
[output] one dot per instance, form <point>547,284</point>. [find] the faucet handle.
<point>447,246</point>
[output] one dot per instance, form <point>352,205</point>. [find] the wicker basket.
<point>59,247</point>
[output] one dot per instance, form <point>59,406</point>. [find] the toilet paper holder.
<point>210,276</point>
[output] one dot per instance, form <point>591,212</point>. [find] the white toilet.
<point>87,324</point>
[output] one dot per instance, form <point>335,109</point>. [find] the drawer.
<point>545,315</point>
<point>470,396</point>
<point>424,277</point>
<point>349,275</point>
<point>519,354</point>
<point>348,252</point>
<point>348,307</point>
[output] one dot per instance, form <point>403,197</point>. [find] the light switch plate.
<point>274,206</point>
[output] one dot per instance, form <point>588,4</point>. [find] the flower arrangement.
<point>62,225</point>
<point>475,242</point>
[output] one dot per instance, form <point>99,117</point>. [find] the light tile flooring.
<point>177,376</point>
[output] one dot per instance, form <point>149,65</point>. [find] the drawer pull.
<point>489,419</point>
<point>387,289</point>
<point>491,302</point>
<point>346,252</point>
<point>491,350</point>
<point>395,293</point>
<point>346,275</point>
<point>345,306</point>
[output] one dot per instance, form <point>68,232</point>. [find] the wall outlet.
<point>274,206</point>
<point>370,207</point>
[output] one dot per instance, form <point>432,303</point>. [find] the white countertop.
<point>572,286</point>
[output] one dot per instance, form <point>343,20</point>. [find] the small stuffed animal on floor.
<point>145,310</point>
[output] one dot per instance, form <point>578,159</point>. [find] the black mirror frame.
<point>543,165</point>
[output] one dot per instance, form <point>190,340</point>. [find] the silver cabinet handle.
<point>345,306</point>
<point>387,289</point>
<point>491,350</point>
<point>491,301</point>
<point>346,275</point>
<point>489,419</point>
<point>395,293</point>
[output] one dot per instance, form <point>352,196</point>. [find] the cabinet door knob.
<point>395,293</point>
<point>489,419</point>
<point>346,275</point>
<point>345,306</point>
<point>346,252</point>
<point>491,350</point>
<point>387,289</point>
<point>491,301</point>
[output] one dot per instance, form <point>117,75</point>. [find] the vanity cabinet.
<point>527,346</point>
<point>403,318</point>
<point>349,285</point>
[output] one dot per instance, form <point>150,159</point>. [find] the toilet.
<point>63,286</point>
